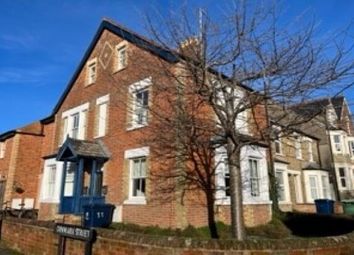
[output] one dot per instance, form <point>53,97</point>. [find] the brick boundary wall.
<point>33,237</point>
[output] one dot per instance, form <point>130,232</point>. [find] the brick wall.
<point>26,237</point>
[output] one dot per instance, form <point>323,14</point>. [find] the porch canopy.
<point>82,174</point>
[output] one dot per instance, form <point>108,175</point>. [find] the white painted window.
<point>310,151</point>
<point>351,148</point>
<point>342,177</point>
<point>52,172</point>
<point>278,146</point>
<point>298,151</point>
<point>2,149</point>
<point>69,180</point>
<point>75,127</point>
<point>337,143</point>
<point>325,187</point>
<point>255,177</point>
<point>313,187</point>
<point>51,181</point>
<point>75,122</point>
<point>279,175</point>
<point>122,59</point>
<point>91,71</point>
<point>101,117</point>
<point>138,177</point>
<point>140,103</point>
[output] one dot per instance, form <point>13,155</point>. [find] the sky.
<point>42,42</point>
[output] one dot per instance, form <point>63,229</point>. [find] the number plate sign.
<point>75,232</point>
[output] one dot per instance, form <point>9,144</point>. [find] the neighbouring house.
<point>334,126</point>
<point>92,149</point>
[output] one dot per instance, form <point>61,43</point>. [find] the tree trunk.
<point>211,215</point>
<point>237,224</point>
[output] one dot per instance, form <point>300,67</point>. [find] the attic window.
<point>121,56</point>
<point>91,71</point>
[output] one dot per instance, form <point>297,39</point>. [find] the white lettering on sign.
<point>74,232</point>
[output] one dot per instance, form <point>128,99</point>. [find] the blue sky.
<point>42,42</point>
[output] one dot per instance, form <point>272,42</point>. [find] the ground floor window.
<point>138,177</point>
<point>255,177</point>
<point>279,175</point>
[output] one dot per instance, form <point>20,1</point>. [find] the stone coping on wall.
<point>207,244</point>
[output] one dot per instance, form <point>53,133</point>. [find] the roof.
<point>74,148</point>
<point>315,107</point>
<point>127,35</point>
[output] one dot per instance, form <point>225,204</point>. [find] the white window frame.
<point>2,149</point>
<point>337,144</point>
<point>122,46</point>
<point>310,150</point>
<point>45,196</point>
<point>82,110</point>
<point>278,142</point>
<point>91,74</point>
<point>133,89</point>
<point>102,116</point>
<point>254,176</point>
<point>322,187</point>
<point>343,177</point>
<point>351,147</point>
<point>130,155</point>
<point>298,149</point>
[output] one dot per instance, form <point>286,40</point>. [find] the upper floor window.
<point>2,149</point>
<point>351,148</point>
<point>337,143</point>
<point>254,177</point>
<point>298,151</point>
<point>310,151</point>
<point>101,116</point>
<point>342,177</point>
<point>122,59</point>
<point>138,112</point>
<point>278,146</point>
<point>91,71</point>
<point>74,123</point>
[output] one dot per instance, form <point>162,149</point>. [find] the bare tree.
<point>247,60</point>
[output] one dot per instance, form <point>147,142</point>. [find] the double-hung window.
<point>91,72</point>
<point>141,106</point>
<point>226,176</point>
<point>73,122</point>
<point>254,177</point>
<point>310,151</point>
<point>351,148</point>
<point>313,186</point>
<point>138,177</point>
<point>337,143</point>
<point>325,187</point>
<point>101,116</point>
<point>2,149</point>
<point>298,152</point>
<point>278,148</point>
<point>138,112</point>
<point>342,177</point>
<point>122,59</point>
<point>279,175</point>
<point>75,125</point>
<point>52,171</point>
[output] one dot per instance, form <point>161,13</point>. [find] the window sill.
<point>99,136</point>
<point>49,201</point>
<point>134,127</point>
<point>135,201</point>
<point>117,70</point>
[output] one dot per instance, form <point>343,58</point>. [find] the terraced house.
<point>91,149</point>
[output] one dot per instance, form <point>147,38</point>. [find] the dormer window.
<point>91,72</point>
<point>121,56</point>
